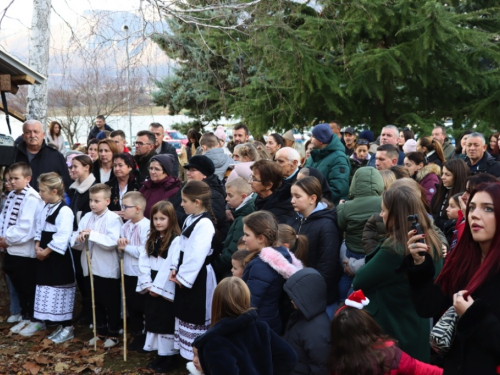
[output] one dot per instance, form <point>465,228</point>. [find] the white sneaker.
<point>66,334</point>
<point>55,333</point>
<point>93,340</point>
<point>15,318</point>
<point>32,328</point>
<point>109,343</point>
<point>19,326</point>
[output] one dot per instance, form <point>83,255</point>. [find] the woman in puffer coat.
<point>318,222</point>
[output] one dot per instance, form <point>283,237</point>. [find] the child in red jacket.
<point>360,348</point>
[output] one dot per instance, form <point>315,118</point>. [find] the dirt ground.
<point>38,355</point>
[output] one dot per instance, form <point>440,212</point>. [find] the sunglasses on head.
<point>362,142</point>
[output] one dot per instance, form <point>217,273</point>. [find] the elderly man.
<point>163,147</point>
<point>144,150</point>
<point>41,158</point>
<point>328,156</point>
<point>289,160</point>
<point>389,136</point>
<point>386,157</point>
<point>478,159</point>
<point>439,134</point>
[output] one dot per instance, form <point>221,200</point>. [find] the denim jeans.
<point>346,280</point>
<point>15,307</point>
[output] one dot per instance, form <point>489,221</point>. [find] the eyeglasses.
<point>141,144</point>
<point>126,207</point>
<point>253,179</point>
<point>363,142</point>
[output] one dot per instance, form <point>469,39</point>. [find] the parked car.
<point>177,145</point>
<point>174,134</point>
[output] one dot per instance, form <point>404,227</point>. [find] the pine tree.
<point>367,62</point>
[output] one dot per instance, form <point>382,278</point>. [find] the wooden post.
<point>5,82</point>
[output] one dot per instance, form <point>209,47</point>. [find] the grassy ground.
<point>38,355</point>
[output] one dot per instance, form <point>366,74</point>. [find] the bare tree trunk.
<point>36,107</point>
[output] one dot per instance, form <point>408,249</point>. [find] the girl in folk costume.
<point>55,275</point>
<point>190,269</point>
<point>159,312</point>
<point>359,346</point>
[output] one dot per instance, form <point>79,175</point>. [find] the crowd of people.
<point>247,258</point>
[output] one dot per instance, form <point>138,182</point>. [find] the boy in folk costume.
<point>102,227</point>
<point>55,275</point>
<point>17,233</point>
<point>133,237</point>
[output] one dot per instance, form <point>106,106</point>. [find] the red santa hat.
<point>357,299</point>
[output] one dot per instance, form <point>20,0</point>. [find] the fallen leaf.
<point>79,369</point>
<point>43,360</point>
<point>61,367</point>
<point>33,368</point>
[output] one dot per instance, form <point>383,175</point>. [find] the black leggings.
<point>135,305</point>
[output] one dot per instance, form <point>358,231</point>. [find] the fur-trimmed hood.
<point>279,263</point>
<point>429,168</point>
<point>84,185</point>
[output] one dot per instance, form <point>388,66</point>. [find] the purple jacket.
<point>428,177</point>
<point>157,191</point>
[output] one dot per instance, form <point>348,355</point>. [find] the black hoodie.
<point>308,329</point>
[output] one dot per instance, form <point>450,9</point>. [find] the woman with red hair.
<point>470,281</point>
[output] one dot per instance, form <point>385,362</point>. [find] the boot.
<point>155,361</point>
<point>167,364</point>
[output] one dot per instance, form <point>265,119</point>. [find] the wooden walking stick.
<point>92,292</point>
<point>124,311</point>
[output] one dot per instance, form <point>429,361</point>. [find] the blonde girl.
<point>55,277</point>
<point>238,342</point>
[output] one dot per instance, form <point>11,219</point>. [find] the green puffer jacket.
<point>334,164</point>
<point>222,264</point>
<point>364,200</point>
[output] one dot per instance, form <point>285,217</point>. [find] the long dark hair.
<point>463,268</point>
<point>458,145</point>
<point>130,162</point>
<point>460,172</point>
<point>165,208</point>
<point>358,345</point>
<point>194,190</point>
<point>494,150</point>
<point>433,145</point>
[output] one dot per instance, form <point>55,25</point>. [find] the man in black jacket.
<point>100,125</point>
<point>41,158</point>
<point>478,160</point>
<point>163,147</point>
<point>144,151</point>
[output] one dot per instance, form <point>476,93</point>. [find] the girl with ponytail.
<point>191,281</point>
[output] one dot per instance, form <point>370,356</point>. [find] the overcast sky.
<point>19,13</point>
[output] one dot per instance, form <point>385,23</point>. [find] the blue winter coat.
<point>265,276</point>
<point>246,346</point>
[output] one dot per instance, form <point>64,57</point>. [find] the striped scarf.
<point>18,200</point>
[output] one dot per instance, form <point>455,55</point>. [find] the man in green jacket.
<point>328,156</point>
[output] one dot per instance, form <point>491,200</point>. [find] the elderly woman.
<point>162,184</point>
<point>103,167</point>
<point>244,155</point>
<point>272,195</point>
<point>127,178</point>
